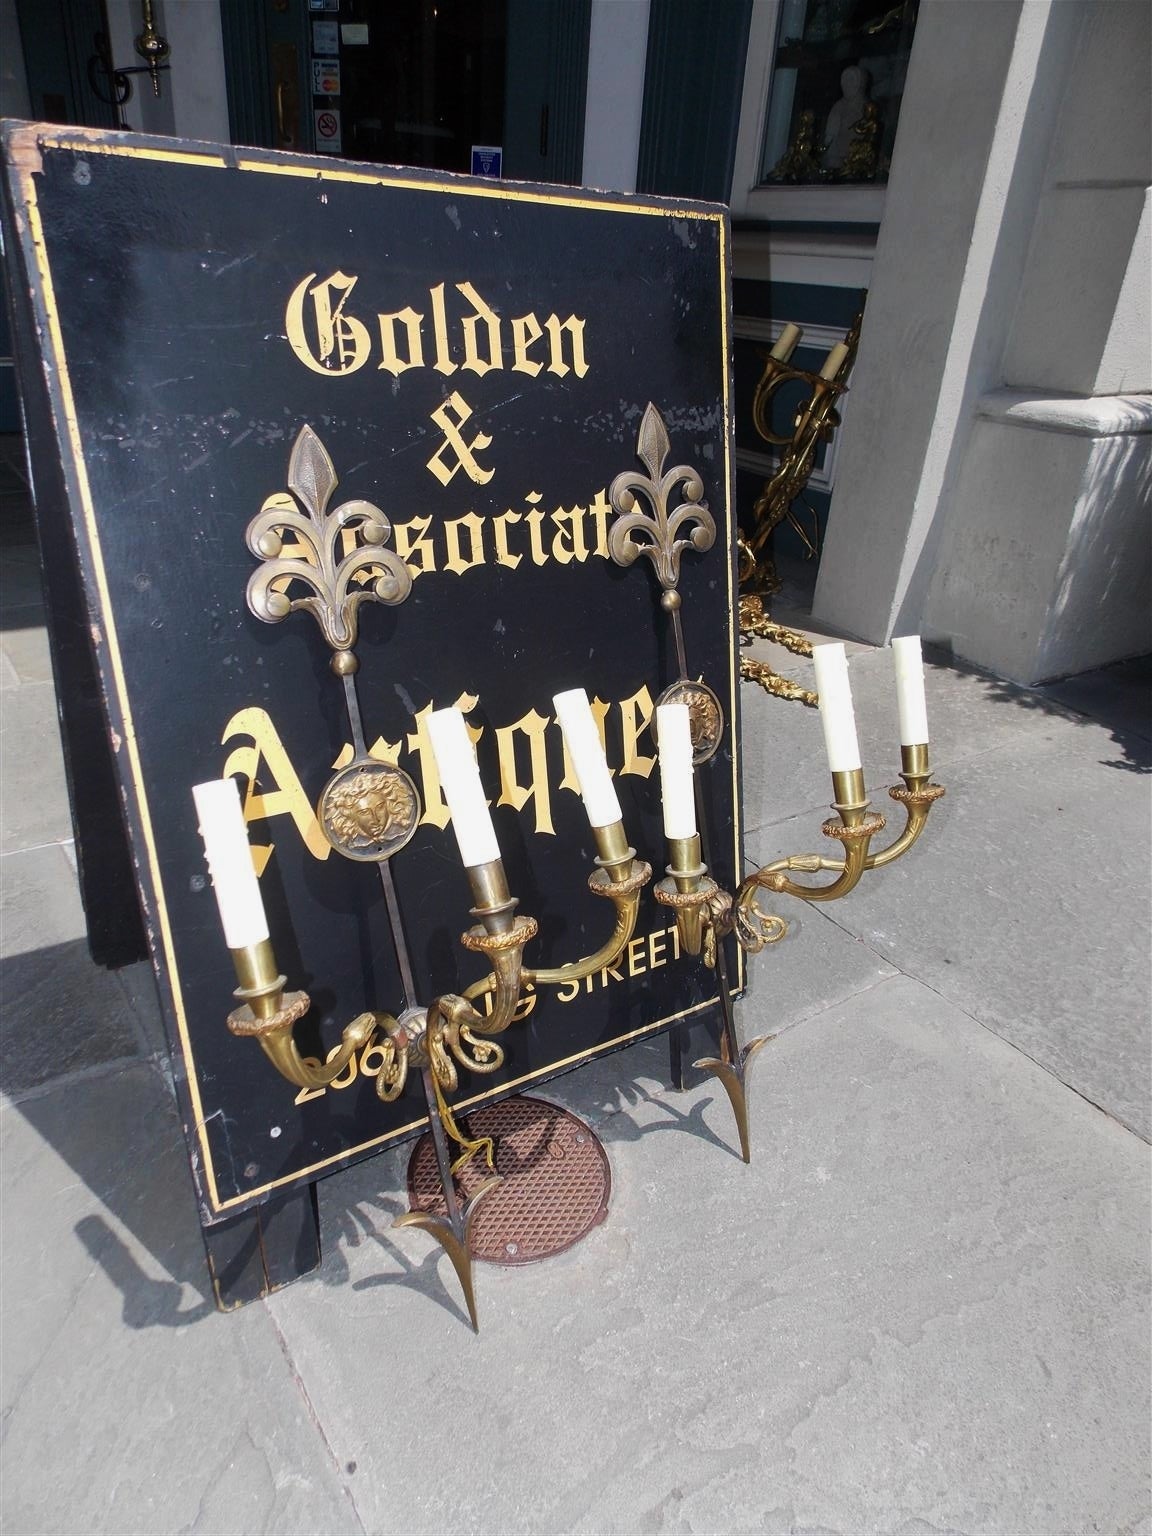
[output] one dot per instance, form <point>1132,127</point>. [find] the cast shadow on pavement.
<point>1118,697</point>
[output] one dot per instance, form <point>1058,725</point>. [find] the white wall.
<point>617,48</point>
<point>199,90</point>
<point>193,101</point>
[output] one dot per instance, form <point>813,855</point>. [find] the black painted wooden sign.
<point>475,359</point>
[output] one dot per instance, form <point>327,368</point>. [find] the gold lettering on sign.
<point>481,315</point>
<point>575,329</point>
<point>329,340</point>
<point>454,442</point>
<point>525,330</point>
<point>503,555</point>
<point>286,797</point>
<point>601,511</point>
<point>535,521</point>
<point>342,341</point>
<point>473,525</point>
<point>567,535</point>
<point>412,543</point>
<point>443,363</point>
<point>512,792</point>
<point>644,953</point>
<point>529,752</point>
<point>570,524</point>
<point>635,713</point>
<point>391,359</point>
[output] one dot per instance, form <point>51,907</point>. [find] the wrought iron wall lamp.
<point>113,86</point>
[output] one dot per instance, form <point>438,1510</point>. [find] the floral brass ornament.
<point>369,810</point>
<point>655,533</point>
<point>705,716</point>
<point>304,549</point>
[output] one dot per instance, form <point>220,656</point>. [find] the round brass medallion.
<point>369,810</point>
<point>706,717</point>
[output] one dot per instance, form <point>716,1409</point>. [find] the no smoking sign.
<point>328,131</point>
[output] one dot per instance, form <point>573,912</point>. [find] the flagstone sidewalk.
<point>922,1309</point>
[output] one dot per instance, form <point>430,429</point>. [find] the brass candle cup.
<point>268,1014</point>
<point>689,891</point>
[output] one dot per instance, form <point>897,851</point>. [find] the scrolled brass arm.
<point>917,797</point>
<point>268,1014</point>
<point>855,829</point>
<point>460,1033</point>
<point>451,1032</point>
<point>619,877</point>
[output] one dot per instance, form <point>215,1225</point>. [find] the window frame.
<point>755,201</point>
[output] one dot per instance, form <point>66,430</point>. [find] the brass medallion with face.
<point>369,810</point>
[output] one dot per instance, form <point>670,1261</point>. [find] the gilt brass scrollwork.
<point>655,533</point>
<point>337,557</point>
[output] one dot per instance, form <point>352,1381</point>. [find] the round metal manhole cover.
<point>556,1181</point>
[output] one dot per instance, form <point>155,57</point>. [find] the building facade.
<point>990,485</point>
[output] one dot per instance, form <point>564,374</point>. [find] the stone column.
<point>1009,277</point>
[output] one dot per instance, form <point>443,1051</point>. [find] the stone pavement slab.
<point>815,965</point>
<point>1025,902</point>
<point>922,1308</point>
<point>21,591</point>
<point>60,1012</point>
<point>1119,697</point>
<point>39,901</point>
<point>130,1405</point>
<point>784,766</point>
<point>36,807</point>
<point>25,656</point>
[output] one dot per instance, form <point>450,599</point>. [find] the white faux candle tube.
<point>460,781</point>
<point>910,701</point>
<point>836,714</point>
<point>833,361</point>
<point>674,741</point>
<point>230,863</point>
<point>786,343</point>
<point>578,724</point>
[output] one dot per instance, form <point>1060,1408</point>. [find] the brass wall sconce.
<point>369,811</point>
<point>327,562</point>
<point>815,422</point>
<point>114,86</point>
<point>689,723</point>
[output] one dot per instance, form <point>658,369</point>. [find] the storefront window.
<point>837,83</point>
<point>423,80</point>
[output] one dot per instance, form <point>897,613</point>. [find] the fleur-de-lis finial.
<point>337,583</point>
<point>654,533</point>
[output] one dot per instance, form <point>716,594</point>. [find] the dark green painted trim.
<point>251,31</point>
<point>57,38</point>
<point>546,88</point>
<point>246,70</point>
<point>799,302</point>
<point>693,83</point>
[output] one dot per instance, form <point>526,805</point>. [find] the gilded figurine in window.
<point>862,159</point>
<point>801,160</point>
